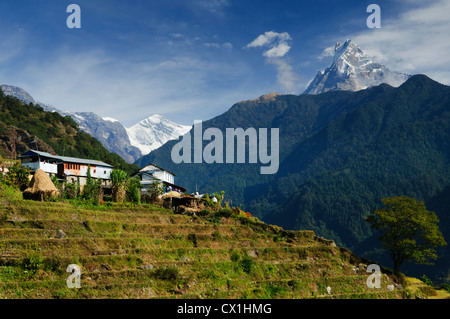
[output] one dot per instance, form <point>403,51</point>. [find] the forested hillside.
<point>340,154</point>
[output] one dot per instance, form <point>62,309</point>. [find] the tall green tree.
<point>133,189</point>
<point>88,188</point>
<point>409,232</point>
<point>17,176</point>
<point>119,179</point>
<point>92,189</point>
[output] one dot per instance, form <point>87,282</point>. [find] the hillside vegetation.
<point>146,251</point>
<point>340,154</point>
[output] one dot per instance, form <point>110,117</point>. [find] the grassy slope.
<point>150,252</point>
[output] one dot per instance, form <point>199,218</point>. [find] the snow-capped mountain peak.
<point>131,143</point>
<point>155,119</point>
<point>353,70</point>
<point>154,131</point>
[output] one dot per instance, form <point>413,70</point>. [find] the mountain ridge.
<point>126,142</point>
<point>338,143</point>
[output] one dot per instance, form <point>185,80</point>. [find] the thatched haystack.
<point>171,194</point>
<point>41,187</point>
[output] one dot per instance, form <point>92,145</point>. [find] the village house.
<point>65,168</point>
<point>152,172</point>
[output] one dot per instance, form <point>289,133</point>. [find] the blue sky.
<point>194,59</point>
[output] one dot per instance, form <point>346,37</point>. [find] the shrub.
<point>246,264</point>
<point>33,263</point>
<point>119,180</point>
<point>224,212</point>
<point>427,291</point>
<point>17,176</point>
<point>235,256</point>
<point>426,280</point>
<point>54,264</point>
<point>153,192</point>
<point>133,189</point>
<point>71,190</point>
<point>273,290</point>
<point>167,273</point>
<point>92,191</point>
<point>193,238</point>
<point>446,287</point>
<point>55,181</point>
<point>203,213</point>
<point>214,204</point>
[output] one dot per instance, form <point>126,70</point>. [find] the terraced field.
<point>150,252</point>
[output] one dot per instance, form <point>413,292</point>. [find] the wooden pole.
<point>14,142</point>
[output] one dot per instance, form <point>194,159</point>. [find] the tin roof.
<point>65,158</point>
<point>153,167</point>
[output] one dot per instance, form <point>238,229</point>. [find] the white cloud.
<point>226,45</point>
<point>417,41</point>
<point>212,45</point>
<point>285,75</point>
<point>277,42</point>
<point>278,47</point>
<point>177,35</point>
<point>327,52</point>
<point>213,6</point>
<point>12,44</point>
<point>277,52</point>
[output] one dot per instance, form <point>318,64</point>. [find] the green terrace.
<point>146,251</point>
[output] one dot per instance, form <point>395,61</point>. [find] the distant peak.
<point>348,48</point>
<point>155,118</point>
<point>343,46</point>
<point>352,70</point>
<point>417,80</point>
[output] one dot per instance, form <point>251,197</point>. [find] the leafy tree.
<point>71,190</point>
<point>17,176</point>
<point>409,231</point>
<point>133,190</point>
<point>216,203</point>
<point>55,181</point>
<point>119,179</point>
<point>92,189</point>
<point>89,187</point>
<point>153,192</point>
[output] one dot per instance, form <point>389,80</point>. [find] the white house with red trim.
<point>66,168</point>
